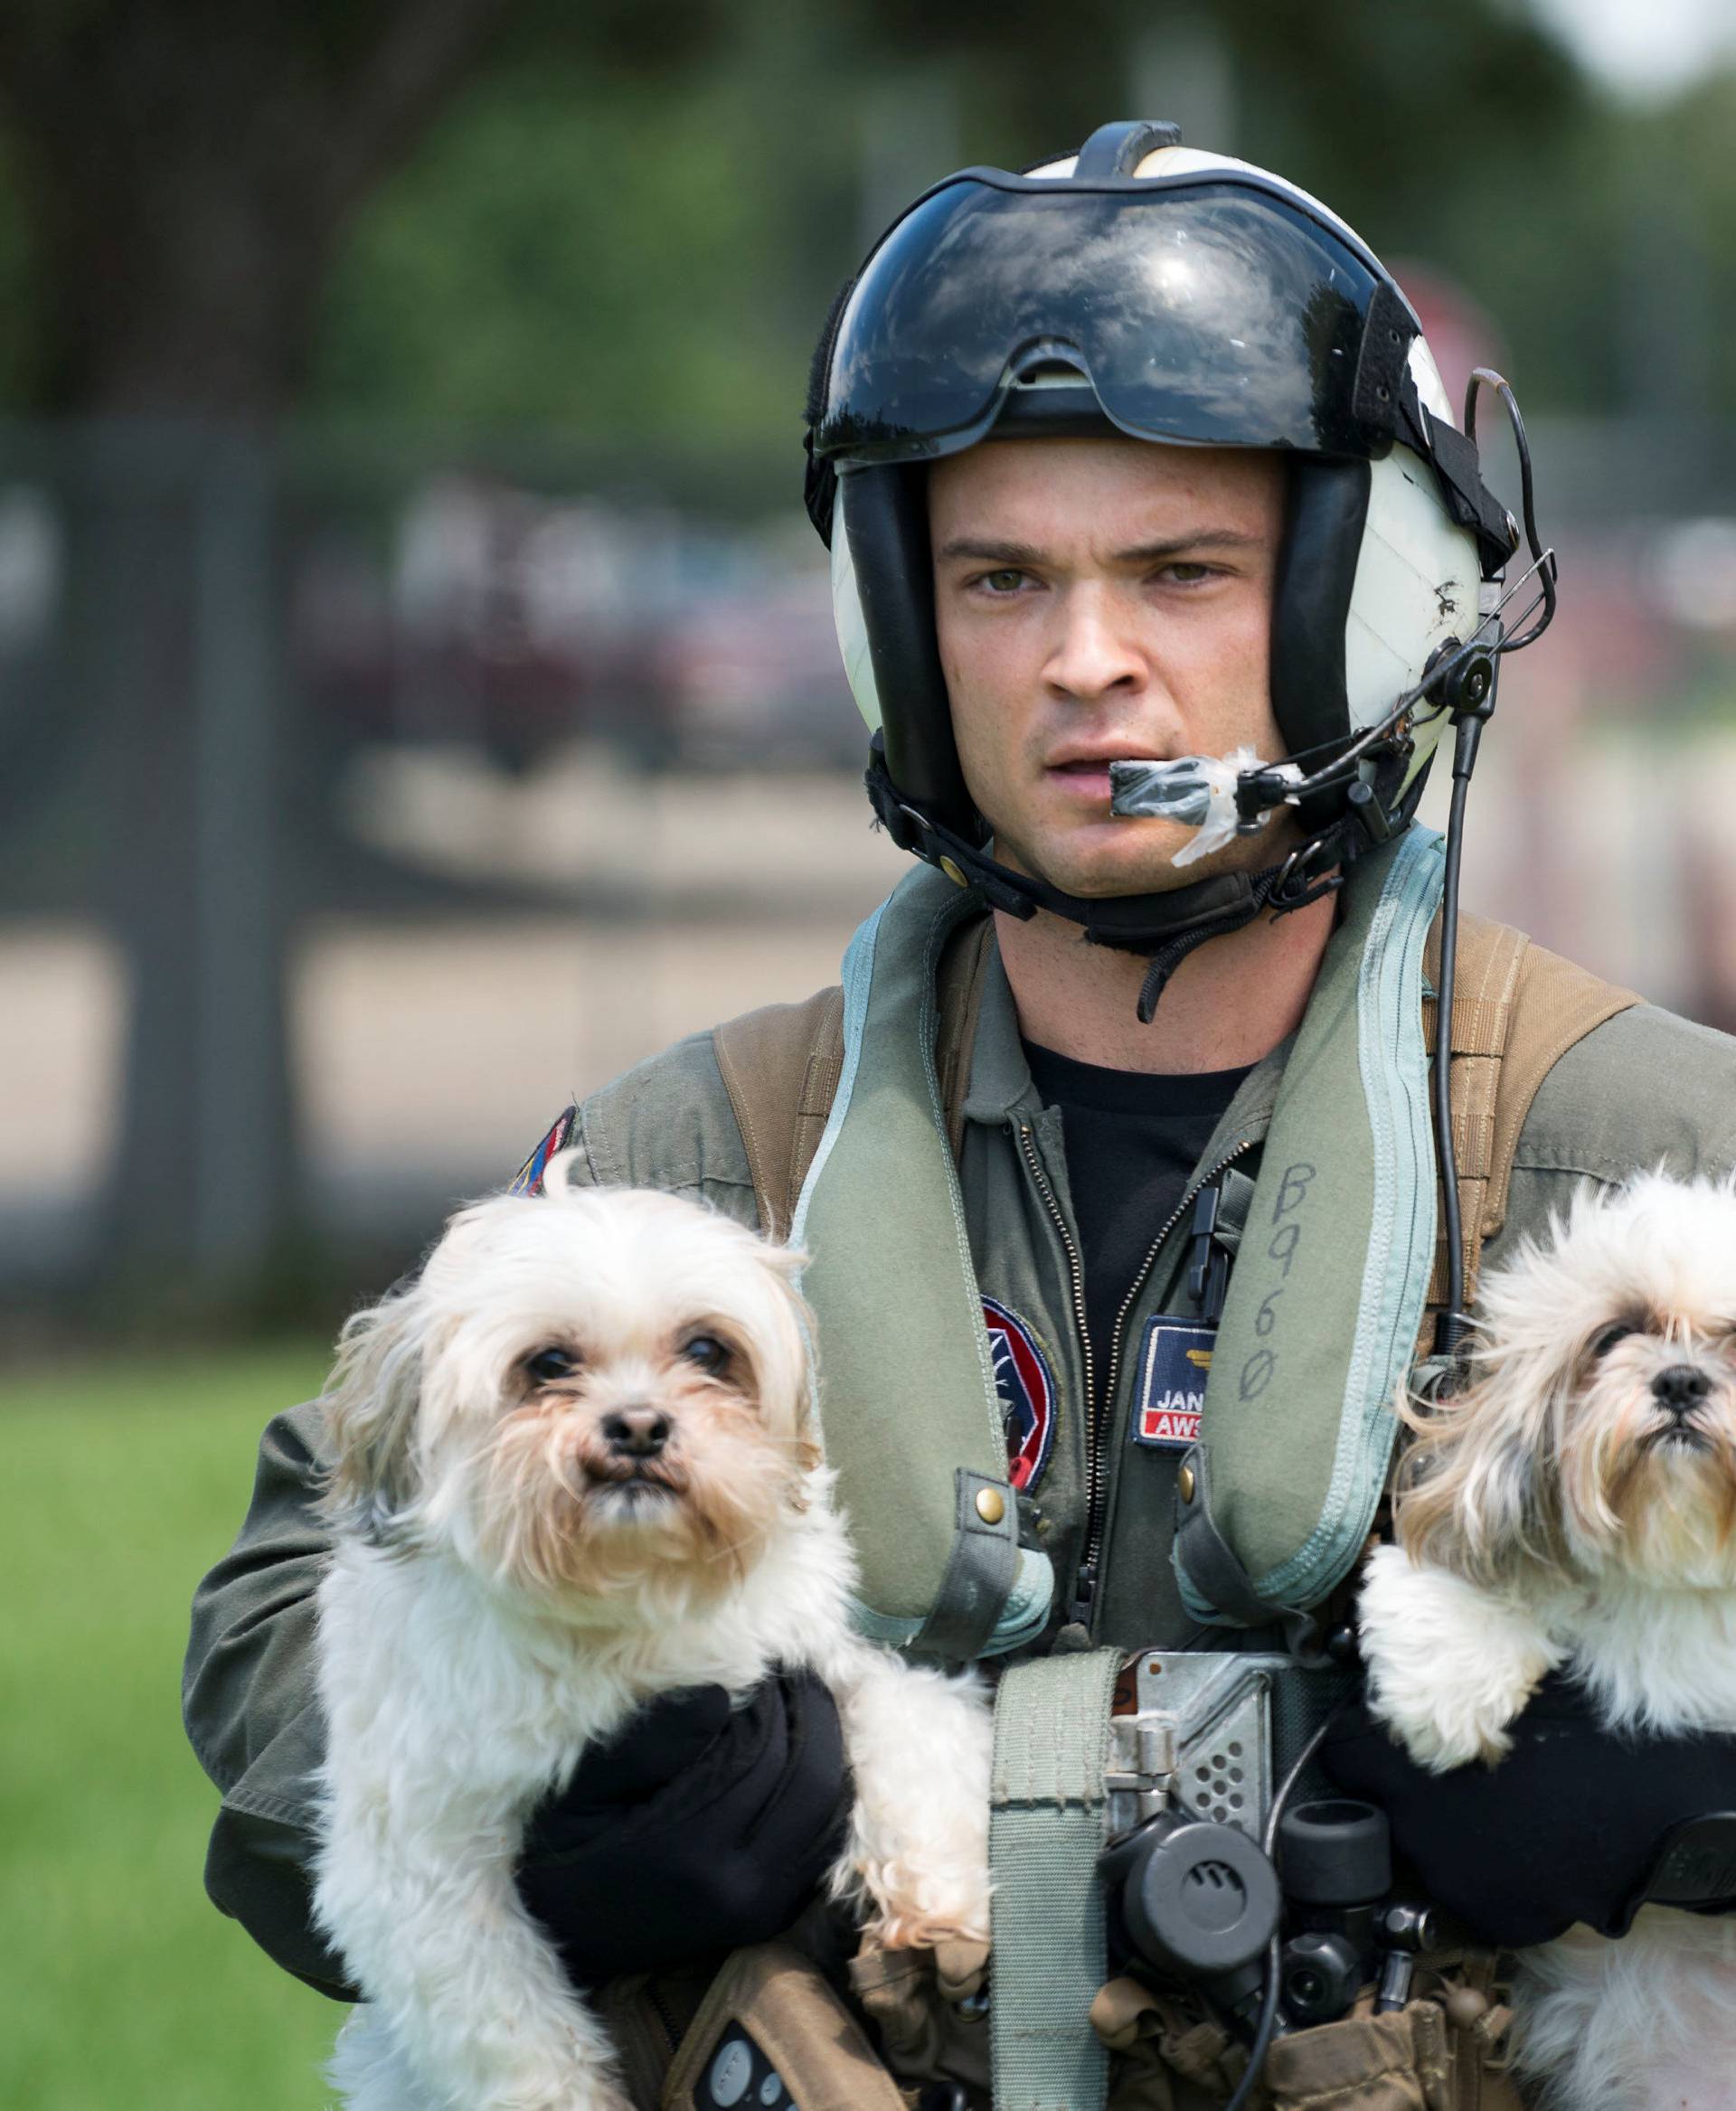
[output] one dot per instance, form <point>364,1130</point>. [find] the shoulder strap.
<point>780,1066</point>
<point>1517,1009</point>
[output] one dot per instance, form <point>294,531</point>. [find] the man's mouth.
<point>1091,777</point>
<point>1088,774</point>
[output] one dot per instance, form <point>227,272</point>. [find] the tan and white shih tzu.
<point>575,1467</point>
<point>1575,1507</point>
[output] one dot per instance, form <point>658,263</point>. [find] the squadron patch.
<point>1027,1391</point>
<point>528,1180</point>
<point>1174,1362</point>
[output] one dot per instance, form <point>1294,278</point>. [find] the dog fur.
<point>512,1577</point>
<point>1574,1507</point>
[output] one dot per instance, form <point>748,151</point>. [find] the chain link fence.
<point>363,803</point>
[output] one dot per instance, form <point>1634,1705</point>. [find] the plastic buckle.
<point>1208,1275</point>
<point>1694,1866</point>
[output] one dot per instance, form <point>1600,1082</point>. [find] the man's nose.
<point>1094,653</point>
<point>638,1432</point>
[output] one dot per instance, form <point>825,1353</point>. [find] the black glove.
<point>1567,1827</point>
<point>697,1830</point>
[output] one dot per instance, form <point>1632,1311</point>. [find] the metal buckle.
<point>1313,869</point>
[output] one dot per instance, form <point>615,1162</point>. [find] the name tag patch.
<point>1174,1362</point>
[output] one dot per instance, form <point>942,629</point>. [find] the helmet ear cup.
<point>885,515</point>
<point>1418,584</point>
<point>1326,511</point>
<point>820,483</point>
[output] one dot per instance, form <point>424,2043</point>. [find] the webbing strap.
<point>1517,1010</point>
<point>981,1574</point>
<point>1047,1808</point>
<point>780,1066</point>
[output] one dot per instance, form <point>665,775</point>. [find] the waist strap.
<point>1048,1803</point>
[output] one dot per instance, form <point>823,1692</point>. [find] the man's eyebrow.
<point>986,550</point>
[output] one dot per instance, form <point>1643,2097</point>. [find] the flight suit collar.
<point>1001,1087</point>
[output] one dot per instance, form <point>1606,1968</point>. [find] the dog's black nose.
<point>1680,1388</point>
<point>640,1432</point>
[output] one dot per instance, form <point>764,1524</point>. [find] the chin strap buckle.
<point>1313,871</point>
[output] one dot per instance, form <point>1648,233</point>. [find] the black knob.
<point>1319,1976</point>
<point>1336,1852</point>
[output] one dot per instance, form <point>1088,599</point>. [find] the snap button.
<point>991,1505</point>
<point>1184,1483</point>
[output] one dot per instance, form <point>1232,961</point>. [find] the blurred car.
<point>501,620</point>
<point>751,679</point>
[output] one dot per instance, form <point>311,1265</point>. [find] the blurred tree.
<point>643,253</point>
<point>182,177</point>
<point>626,223</point>
<point>184,173</point>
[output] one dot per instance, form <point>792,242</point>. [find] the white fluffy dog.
<point>576,1466</point>
<point>1576,1507</point>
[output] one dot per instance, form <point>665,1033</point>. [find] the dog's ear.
<point>1476,1491</point>
<point>370,1403</point>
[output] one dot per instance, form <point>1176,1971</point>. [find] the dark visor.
<point>1206,309</point>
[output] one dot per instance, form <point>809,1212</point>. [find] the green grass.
<point>123,1989</point>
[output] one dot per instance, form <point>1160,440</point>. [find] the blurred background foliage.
<point>625,221</point>
<point>398,396</point>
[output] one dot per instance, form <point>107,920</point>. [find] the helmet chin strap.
<point>1164,929</point>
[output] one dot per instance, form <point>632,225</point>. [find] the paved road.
<point>443,1051</point>
<point>432,1057</point>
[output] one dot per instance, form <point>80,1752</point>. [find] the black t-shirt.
<point>1132,1140</point>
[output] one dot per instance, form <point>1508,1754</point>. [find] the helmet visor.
<point>1211,310</point>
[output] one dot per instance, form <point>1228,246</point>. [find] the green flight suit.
<point>1645,1089</point>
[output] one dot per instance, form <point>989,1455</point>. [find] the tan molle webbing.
<point>1517,1009</point>
<point>780,1067</point>
<point>788,2009</point>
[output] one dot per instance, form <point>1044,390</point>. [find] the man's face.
<point>1097,598</point>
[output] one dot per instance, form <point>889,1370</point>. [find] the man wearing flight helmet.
<point>1159,567</point>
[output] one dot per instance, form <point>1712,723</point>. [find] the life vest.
<point>848,1106</point>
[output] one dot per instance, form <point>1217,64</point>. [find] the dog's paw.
<point>923,1910</point>
<point>1441,1739</point>
<point>1450,1666</point>
<point>917,1930</point>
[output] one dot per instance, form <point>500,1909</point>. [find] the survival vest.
<point>850,1107</point>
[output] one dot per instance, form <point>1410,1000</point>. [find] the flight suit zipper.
<point>1086,1580</point>
<point>1075,1260</point>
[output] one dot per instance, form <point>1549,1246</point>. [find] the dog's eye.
<point>1601,1343</point>
<point>549,1364</point>
<point>707,1352</point>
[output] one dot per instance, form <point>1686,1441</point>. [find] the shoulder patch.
<point>528,1179</point>
<point>1027,1390</point>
